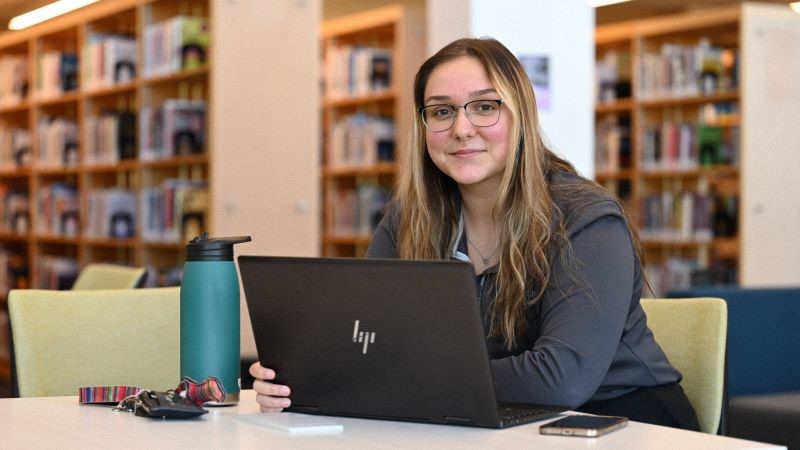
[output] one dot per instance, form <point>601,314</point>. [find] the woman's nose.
<point>462,127</point>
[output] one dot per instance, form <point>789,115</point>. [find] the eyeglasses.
<point>480,113</point>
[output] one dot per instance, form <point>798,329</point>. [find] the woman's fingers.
<point>275,390</point>
<point>260,372</point>
<point>271,397</point>
<point>271,403</point>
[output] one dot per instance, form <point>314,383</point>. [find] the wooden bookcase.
<point>677,144</point>
<point>397,31</point>
<point>32,238</point>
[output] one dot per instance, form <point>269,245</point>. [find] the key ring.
<point>129,403</point>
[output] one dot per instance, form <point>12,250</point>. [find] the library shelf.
<point>116,89</point>
<point>716,171</point>
<point>366,100</point>
<point>388,95</point>
<point>660,102</point>
<point>723,115</point>
<point>109,242</point>
<point>78,80</point>
<point>183,75</point>
<point>616,106</point>
<point>609,175</point>
<point>176,161</point>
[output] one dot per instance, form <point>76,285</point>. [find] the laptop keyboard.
<point>517,413</point>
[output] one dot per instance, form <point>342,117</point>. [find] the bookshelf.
<point>103,116</point>
<point>368,63</point>
<point>679,100</point>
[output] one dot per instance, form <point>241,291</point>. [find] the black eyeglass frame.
<point>421,110</point>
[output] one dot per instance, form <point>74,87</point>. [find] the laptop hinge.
<point>305,409</point>
<point>458,420</point>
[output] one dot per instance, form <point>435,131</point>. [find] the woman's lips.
<point>466,152</point>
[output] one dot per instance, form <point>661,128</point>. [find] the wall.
<point>447,20</point>
<point>265,173</point>
<point>563,31</point>
<point>770,212</point>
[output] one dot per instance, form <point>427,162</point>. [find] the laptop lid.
<point>391,339</point>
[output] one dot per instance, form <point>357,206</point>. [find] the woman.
<point>557,267</point>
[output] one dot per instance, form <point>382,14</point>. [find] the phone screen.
<point>582,425</point>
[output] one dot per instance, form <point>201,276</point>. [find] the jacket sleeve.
<point>582,320</point>
<point>383,243</point>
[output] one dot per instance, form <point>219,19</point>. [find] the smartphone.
<point>587,426</point>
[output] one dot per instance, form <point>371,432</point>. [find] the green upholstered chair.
<point>693,332</point>
<point>109,276</point>
<point>67,339</point>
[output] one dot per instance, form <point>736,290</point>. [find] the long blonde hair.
<point>530,226</point>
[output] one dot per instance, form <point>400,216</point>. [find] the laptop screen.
<point>372,338</point>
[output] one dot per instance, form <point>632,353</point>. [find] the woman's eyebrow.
<point>438,98</point>
<point>445,98</point>
<point>482,92</point>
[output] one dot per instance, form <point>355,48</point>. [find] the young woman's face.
<point>471,155</point>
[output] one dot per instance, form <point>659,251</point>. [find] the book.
<point>163,276</point>
<point>58,142</point>
<point>68,72</point>
<point>119,59</point>
<point>108,60</point>
<point>57,206</point>
<point>193,205</point>
<point>359,210</point>
<point>111,213</point>
<point>710,145</point>
<point>126,135</point>
<point>356,70</point>
<point>677,70</point>
<point>725,221</point>
<point>184,126</point>
<point>194,39</point>
<point>110,137</point>
<point>177,127</point>
<point>15,211</point>
<point>178,43</point>
<point>380,70</point>
<point>56,272</point>
<point>13,79</point>
<point>15,147</point>
<point>613,143</point>
<point>359,140</point>
<point>13,271</point>
<point>172,210</point>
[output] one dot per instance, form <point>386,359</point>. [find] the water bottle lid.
<point>201,248</point>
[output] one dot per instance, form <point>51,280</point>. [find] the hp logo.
<point>367,337</point>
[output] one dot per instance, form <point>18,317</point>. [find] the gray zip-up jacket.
<point>586,340</point>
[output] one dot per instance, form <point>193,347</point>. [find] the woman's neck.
<point>477,203</point>
<point>477,209</point>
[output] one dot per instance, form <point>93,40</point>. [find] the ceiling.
<point>11,8</point>
<point>613,13</point>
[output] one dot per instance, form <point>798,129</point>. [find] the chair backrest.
<point>109,276</point>
<point>762,335</point>
<point>67,339</point>
<point>692,332</point>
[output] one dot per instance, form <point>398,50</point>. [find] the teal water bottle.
<point>210,314</point>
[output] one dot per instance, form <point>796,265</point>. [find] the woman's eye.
<point>442,113</point>
<point>484,107</point>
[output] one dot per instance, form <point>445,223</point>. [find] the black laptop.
<point>377,338</point>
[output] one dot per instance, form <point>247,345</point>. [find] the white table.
<point>60,422</point>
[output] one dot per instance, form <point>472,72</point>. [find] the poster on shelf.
<point>538,69</point>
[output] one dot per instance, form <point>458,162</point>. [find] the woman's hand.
<point>270,396</point>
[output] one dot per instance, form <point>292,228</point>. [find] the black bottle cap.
<point>201,248</point>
